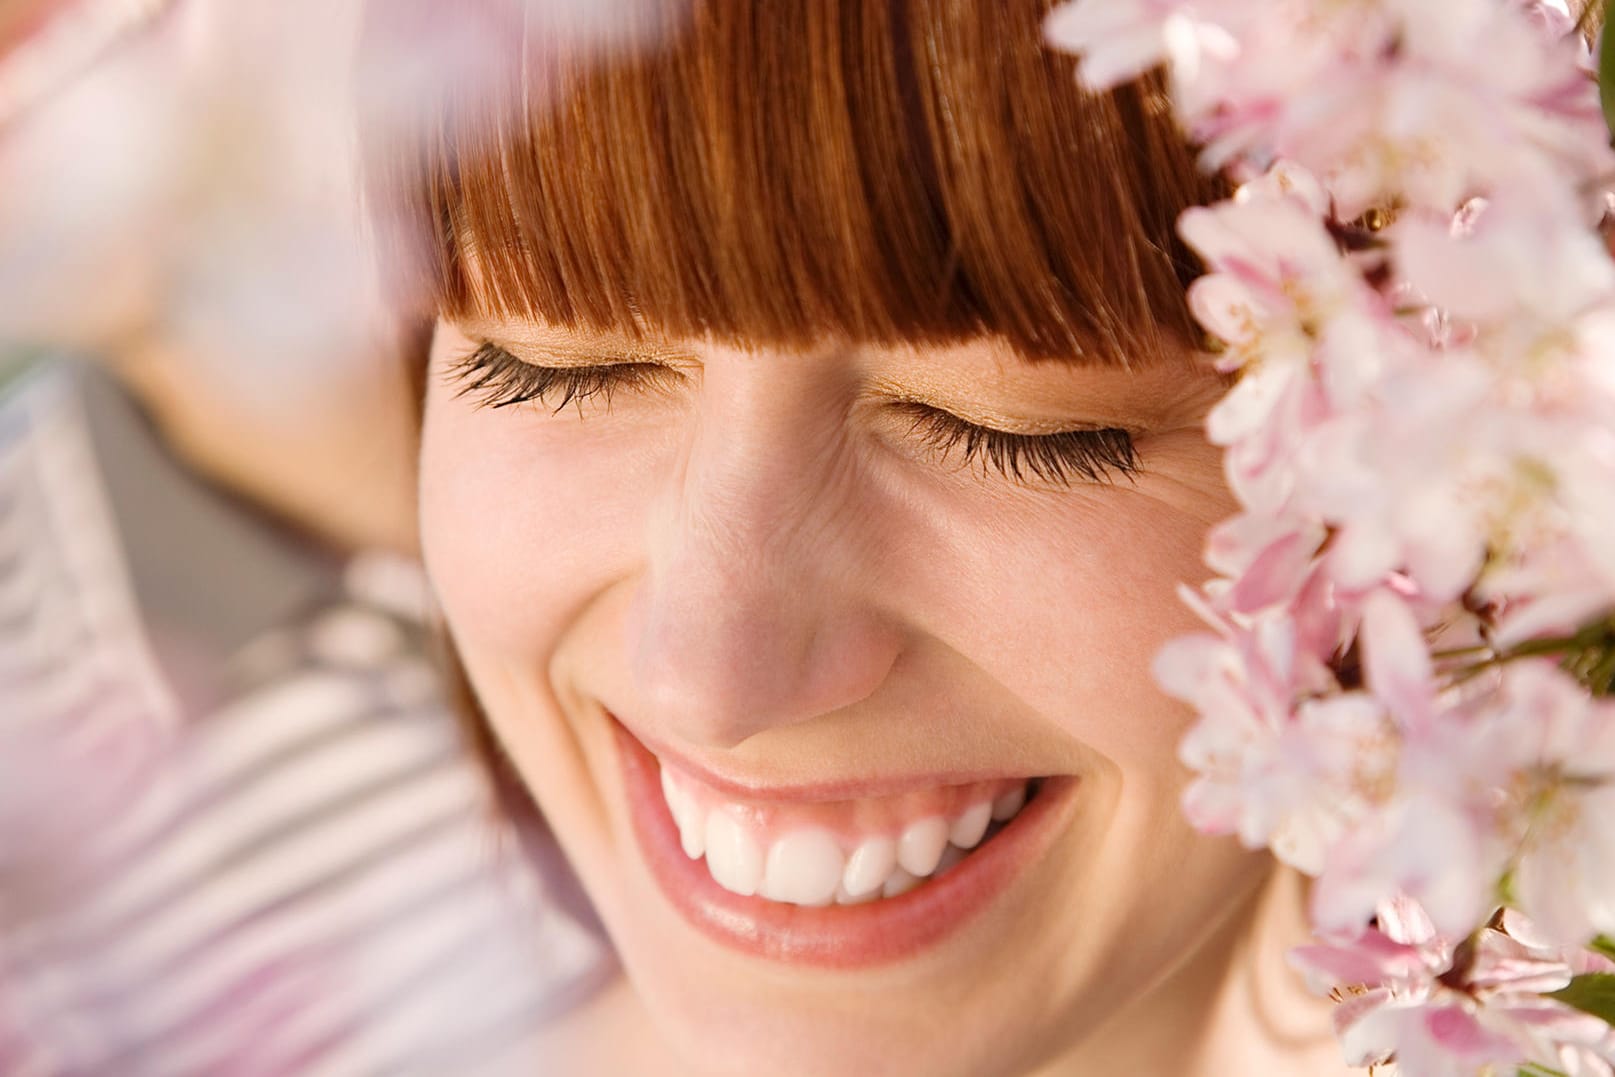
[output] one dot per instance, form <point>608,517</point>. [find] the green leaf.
<point>1603,944</point>
<point>1606,67</point>
<point>1593,993</point>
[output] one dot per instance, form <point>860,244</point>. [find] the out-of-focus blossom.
<point>1292,781</point>
<point>1424,102</point>
<point>1126,38</point>
<point>1294,312</point>
<point>1554,750</point>
<point>1440,1009</point>
<point>196,187</point>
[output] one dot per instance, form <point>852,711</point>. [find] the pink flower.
<point>1288,56</point>
<point>1275,275</point>
<point>1519,778</point>
<point>1521,273</point>
<point>1121,39</point>
<point>1440,1010</point>
<point>1421,423</point>
<point>1559,748</point>
<point>1536,293</point>
<point>1397,664</point>
<point>1398,479</point>
<point>1278,774</point>
<point>1387,100</point>
<point>1292,310</point>
<point>1412,843</point>
<point>1267,559</point>
<point>1551,589</point>
<point>1452,99</point>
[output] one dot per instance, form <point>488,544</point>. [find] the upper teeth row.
<point>808,865</point>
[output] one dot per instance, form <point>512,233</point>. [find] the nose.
<point>757,605</point>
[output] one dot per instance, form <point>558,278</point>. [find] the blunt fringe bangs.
<point>782,174</point>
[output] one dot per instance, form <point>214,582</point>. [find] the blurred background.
<point>241,830</point>
<point>178,198</point>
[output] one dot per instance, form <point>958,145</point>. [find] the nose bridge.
<point>752,613</point>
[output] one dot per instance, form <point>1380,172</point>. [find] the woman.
<point>811,452</point>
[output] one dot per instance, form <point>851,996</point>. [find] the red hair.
<point>775,174</point>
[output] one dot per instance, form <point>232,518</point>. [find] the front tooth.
<point>733,858</point>
<point>870,865</point>
<point>970,826</point>
<point>922,844</point>
<point>901,882</point>
<point>1010,803</point>
<point>804,868</point>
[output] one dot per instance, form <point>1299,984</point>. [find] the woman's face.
<point>776,583</point>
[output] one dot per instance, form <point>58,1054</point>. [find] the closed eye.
<point>1088,455</point>
<point>496,379</point>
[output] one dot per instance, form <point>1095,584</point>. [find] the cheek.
<point>521,528</point>
<point>1123,607</point>
<point>1066,602</point>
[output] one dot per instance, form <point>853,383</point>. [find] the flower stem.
<point>1588,655</point>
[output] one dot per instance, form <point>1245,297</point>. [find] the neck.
<point>1233,1008</point>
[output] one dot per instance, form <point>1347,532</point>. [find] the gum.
<point>850,821</point>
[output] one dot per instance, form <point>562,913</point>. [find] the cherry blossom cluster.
<point>1404,690</point>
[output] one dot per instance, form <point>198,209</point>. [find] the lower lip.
<point>838,936</point>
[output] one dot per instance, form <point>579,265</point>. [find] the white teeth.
<point>901,882</point>
<point>804,868</point>
<point>921,844</point>
<point>807,865</point>
<point>1010,803</point>
<point>870,865</point>
<point>950,858</point>
<point>844,898</point>
<point>693,832</point>
<point>687,814</point>
<point>969,827</point>
<point>733,858</point>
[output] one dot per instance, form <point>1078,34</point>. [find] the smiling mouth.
<point>841,852</point>
<point>842,883</point>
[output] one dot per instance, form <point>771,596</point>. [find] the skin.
<point>337,473</point>
<point>761,566</point>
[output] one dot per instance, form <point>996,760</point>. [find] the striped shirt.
<point>240,832</point>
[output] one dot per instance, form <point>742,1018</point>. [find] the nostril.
<point>704,711</point>
<point>728,674</point>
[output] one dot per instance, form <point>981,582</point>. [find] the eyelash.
<point>1090,455</point>
<point>498,379</point>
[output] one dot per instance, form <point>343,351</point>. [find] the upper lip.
<point>853,788</point>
